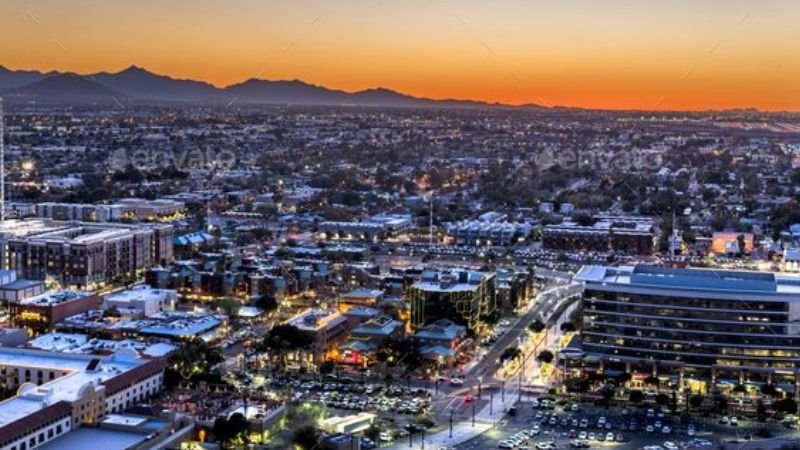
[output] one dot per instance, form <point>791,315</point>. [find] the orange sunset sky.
<point>646,54</point>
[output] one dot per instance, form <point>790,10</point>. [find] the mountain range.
<point>138,85</point>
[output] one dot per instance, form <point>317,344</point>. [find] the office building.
<point>466,295</point>
<point>700,330</point>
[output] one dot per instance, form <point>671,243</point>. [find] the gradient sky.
<point>645,54</point>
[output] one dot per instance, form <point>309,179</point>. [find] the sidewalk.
<point>463,431</point>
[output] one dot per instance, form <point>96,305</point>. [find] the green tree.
<point>636,396</point>
<point>306,437</point>
<point>545,356</point>
<point>537,326</point>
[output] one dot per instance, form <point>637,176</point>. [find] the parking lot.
<point>545,426</point>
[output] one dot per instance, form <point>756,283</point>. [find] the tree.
<point>266,303</point>
<point>510,353</point>
<point>285,338</point>
<point>545,356</point>
<point>636,396</point>
<point>577,384</point>
<point>306,437</point>
<point>226,430</point>
<point>786,405</point>
<point>740,389</point>
<point>327,367</point>
<point>192,360</point>
<point>662,399</point>
<point>696,401</point>
<point>761,411</point>
<point>567,327</point>
<point>112,312</point>
<point>537,326</point>
<point>229,306</point>
<point>608,395</point>
<point>769,390</point>
<point>652,381</point>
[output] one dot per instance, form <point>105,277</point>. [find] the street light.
<point>451,422</point>
<point>480,387</point>
<point>473,414</point>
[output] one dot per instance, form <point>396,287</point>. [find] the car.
<point>650,429</point>
<point>734,421</point>
<point>574,407</point>
<point>610,436</point>
<point>657,424</point>
<point>669,445</point>
<point>574,422</point>
<point>504,444</point>
<point>553,420</point>
<point>601,437</point>
<point>591,436</point>
<point>469,399</point>
<point>584,423</point>
<point>650,412</point>
<point>535,403</point>
<point>724,420</point>
<point>456,382</point>
<point>535,430</point>
<point>583,435</point>
<point>666,429</point>
<point>601,421</point>
<point>690,431</point>
<point>385,437</point>
<point>619,437</point>
<point>543,446</point>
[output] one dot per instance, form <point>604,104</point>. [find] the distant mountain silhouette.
<point>67,87</point>
<point>12,79</point>
<point>136,84</point>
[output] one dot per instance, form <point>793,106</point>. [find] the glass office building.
<point>701,330</point>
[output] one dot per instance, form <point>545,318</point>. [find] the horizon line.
<point>485,102</point>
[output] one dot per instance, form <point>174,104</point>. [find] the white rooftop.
<point>65,388</point>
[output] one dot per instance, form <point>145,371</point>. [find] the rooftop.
<point>66,388</point>
<point>55,298</point>
<point>698,279</point>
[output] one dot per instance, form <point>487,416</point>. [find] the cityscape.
<point>399,225</point>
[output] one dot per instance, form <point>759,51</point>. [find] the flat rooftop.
<point>698,279</point>
<point>66,388</point>
<point>99,438</point>
<point>55,298</point>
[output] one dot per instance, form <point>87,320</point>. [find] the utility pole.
<point>451,422</point>
<point>2,163</point>
<point>473,414</point>
<point>430,223</point>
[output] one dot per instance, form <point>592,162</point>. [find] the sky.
<point>611,54</point>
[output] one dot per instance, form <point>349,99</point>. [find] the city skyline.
<point>676,56</point>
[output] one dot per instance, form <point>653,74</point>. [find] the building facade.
<point>457,294</point>
<point>697,330</point>
<point>83,255</point>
